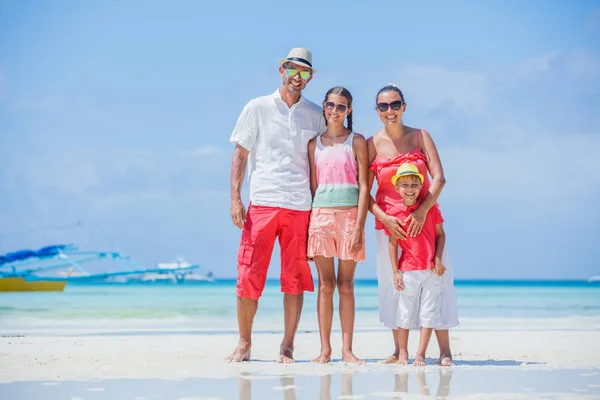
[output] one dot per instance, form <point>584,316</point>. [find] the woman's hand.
<point>417,220</point>
<point>356,241</point>
<point>394,227</point>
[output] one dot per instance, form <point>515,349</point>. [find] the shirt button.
<point>335,213</point>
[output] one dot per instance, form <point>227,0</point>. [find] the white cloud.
<point>427,87</point>
<point>204,151</point>
<point>536,65</point>
<point>535,175</point>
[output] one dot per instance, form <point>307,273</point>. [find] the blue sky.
<point>117,115</point>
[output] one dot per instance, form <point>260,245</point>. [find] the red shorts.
<point>263,224</point>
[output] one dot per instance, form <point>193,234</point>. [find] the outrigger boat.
<point>51,267</point>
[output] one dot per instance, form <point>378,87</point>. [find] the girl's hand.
<point>417,220</point>
<point>398,281</point>
<point>356,241</point>
<point>394,227</point>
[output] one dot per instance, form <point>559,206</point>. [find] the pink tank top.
<point>385,168</point>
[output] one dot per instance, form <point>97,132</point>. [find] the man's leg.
<point>296,277</point>
<point>254,256</point>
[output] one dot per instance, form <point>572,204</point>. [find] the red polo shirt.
<point>417,252</point>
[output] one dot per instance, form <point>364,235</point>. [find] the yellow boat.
<point>18,284</point>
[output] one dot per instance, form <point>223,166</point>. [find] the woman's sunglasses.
<point>330,105</point>
<point>383,107</point>
<point>291,72</point>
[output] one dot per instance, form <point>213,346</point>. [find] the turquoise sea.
<point>211,307</point>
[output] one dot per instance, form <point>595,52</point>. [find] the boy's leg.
<point>429,312</point>
<point>408,309</point>
<point>296,277</point>
<point>345,285</point>
<point>254,256</point>
<point>327,281</point>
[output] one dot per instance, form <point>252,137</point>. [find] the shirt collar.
<point>277,96</point>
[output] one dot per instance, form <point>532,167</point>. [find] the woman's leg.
<point>443,338</point>
<point>326,271</point>
<point>345,285</point>
<point>388,296</point>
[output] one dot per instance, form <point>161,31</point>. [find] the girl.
<point>338,180</point>
<point>392,146</point>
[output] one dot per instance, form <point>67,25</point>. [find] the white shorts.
<point>389,297</point>
<point>420,301</point>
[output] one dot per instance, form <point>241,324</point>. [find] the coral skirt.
<point>330,231</point>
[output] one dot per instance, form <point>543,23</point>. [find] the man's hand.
<point>238,213</point>
<point>398,281</point>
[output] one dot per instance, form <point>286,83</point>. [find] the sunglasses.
<point>330,105</point>
<point>383,107</point>
<point>291,72</point>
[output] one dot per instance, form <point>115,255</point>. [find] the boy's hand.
<point>398,281</point>
<point>438,268</point>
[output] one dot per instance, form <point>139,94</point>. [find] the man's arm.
<point>238,171</point>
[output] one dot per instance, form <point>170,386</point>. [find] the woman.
<point>339,171</point>
<point>395,144</point>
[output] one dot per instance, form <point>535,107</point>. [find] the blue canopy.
<point>44,252</point>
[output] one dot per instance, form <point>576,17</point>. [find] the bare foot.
<point>286,355</point>
<point>402,358</point>
<point>391,359</point>
<point>446,361</point>
<point>241,353</point>
<point>349,357</point>
<point>419,361</point>
<point>323,358</point>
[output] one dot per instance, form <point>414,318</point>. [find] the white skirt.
<point>389,297</point>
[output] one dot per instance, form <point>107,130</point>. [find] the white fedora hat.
<point>300,56</point>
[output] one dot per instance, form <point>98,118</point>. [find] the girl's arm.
<point>312,144</point>
<point>359,145</point>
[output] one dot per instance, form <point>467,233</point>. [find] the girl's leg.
<point>443,338</point>
<point>345,285</point>
<point>326,273</point>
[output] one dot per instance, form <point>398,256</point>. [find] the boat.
<point>593,279</point>
<point>178,271</point>
<point>52,267</point>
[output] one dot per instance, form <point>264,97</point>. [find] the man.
<point>271,135</point>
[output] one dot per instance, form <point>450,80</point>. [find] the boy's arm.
<point>440,242</point>
<point>393,248</point>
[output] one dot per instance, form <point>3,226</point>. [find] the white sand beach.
<point>185,356</point>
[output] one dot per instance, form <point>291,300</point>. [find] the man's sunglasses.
<point>330,105</point>
<point>383,107</point>
<point>291,72</point>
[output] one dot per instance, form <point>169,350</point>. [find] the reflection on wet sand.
<point>401,385</point>
<point>443,389</point>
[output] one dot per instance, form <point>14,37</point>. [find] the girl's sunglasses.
<point>330,105</point>
<point>291,72</point>
<point>383,107</point>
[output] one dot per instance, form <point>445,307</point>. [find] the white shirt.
<point>276,137</point>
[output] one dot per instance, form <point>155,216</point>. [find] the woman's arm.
<point>434,166</point>
<point>392,224</point>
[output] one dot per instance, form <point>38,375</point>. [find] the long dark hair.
<point>341,91</point>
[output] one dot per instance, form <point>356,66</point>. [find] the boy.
<point>417,274</point>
